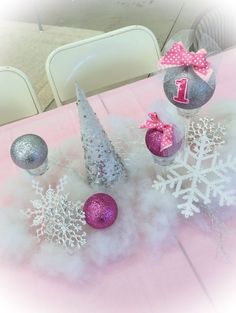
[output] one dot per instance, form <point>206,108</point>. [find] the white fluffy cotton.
<point>16,242</point>
<point>144,215</point>
<point>57,262</point>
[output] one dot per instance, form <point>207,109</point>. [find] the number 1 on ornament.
<point>182,85</point>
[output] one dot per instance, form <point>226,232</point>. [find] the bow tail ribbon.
<point>165,129</point>
<point>167,137</point>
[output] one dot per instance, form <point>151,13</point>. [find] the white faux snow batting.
<point>55,218</point>
<point>199,176</point>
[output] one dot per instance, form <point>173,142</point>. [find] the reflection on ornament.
<point>195,91</point>
<point>30,152</point>
<point>100,210</point>
<point>55,218</point>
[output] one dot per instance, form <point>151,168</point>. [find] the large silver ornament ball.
<point>29,151</point>
<point>198,91</point>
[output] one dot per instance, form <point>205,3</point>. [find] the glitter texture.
<point>199,91</point>
<point>199,177</point>
<point>100,210</point>
<point>103,164</point>
<point>153,141</point>
<point>29,151</point>
<point>205,126</point>
<point>55,218</point>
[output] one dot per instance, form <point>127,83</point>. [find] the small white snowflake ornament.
<point>198,176</point>
<point>205,126</point>
<point>55,218</point>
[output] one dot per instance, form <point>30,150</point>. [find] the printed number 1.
<point>182,85</point>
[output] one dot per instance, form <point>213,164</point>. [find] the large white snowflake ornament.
<point>55,218</point>
<point>199,176</point>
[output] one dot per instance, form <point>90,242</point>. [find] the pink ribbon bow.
<point>166,129</point>
<point>177,55</point>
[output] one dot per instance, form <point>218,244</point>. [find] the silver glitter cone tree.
<point>103,164</point>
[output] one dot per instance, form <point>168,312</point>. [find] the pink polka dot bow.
<point>165,129</point>
<point>177,55</point>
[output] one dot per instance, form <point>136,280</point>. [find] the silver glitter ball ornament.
<point>29,152</point>
<point>197,92</point>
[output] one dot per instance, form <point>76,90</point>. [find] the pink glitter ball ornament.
<point>100,210</point>
<point>153,140</point>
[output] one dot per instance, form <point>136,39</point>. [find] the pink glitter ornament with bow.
<point>161,139</point>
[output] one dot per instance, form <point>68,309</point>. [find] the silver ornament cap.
<point>29,152</point>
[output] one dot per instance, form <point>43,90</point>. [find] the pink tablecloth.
<point>188,277</point>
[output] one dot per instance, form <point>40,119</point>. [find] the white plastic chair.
<point>17,97</point>
<point>102,61</point>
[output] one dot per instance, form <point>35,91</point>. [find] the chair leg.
<point>40,26</point>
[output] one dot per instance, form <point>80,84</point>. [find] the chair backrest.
<point>102,61</point>
<point>17,97</point>
<point>215,29</point>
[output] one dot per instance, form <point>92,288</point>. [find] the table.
<point>186,277</point>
